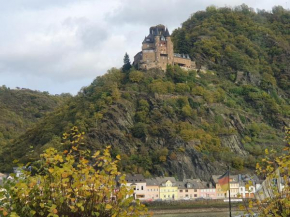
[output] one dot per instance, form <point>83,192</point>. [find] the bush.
<point>71,183</point>
<point>139,130</point>
<point>136,76</point>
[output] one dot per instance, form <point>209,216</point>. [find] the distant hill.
<point>186,123</point>
<point>20,109</point>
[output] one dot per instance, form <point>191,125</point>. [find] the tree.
<point>136,76</point>
<point>273,198</point>
<point>127,64</point>
<point>71,183</point>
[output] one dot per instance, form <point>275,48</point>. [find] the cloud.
<point>62,45</point>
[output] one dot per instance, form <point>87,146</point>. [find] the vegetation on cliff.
<point>229,40</point>
<point>185,123</point>
<point>20,109</point>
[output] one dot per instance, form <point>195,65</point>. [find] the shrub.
<point>71,183</point>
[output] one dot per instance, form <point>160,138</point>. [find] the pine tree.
<point>127,65</point>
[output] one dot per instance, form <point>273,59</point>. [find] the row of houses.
<point>168,188</point>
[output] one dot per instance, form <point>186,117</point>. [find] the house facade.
<point>234,187</point>
<point>168,189</point>
<point>189,189</point>
<point>152,187</point>
<point>138,183</point>
<point>207,191</point>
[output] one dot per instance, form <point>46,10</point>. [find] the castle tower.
<point>157,51</point>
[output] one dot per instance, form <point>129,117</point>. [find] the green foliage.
<point>139,130</point>
<point>20,109</point>
<point>72,183</point>
<point>242,96</point>
<point>239,39</point>
<point>136,76</point>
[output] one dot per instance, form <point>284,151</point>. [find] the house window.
<point>186,190</point>
<point>141,187</point>
<point>180,190</point>
<point>195,195</point>
<point>195,190</point>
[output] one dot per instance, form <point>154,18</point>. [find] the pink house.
<point>189,189</point>
<point>152,192</point>
<point>208,191</point>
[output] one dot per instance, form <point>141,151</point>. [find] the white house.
<point>138,183</point>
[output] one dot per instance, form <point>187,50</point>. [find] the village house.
<point>207,190</point>
<point>248,185</point>
<point>152,187</point>
<point>138,183</point>
<point>234,187</point>
<point>189,189</point>
<point>157,51</point>
<point>168,189</point>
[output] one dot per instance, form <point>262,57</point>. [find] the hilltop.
<point>187,123</point>
<point>20,109</point>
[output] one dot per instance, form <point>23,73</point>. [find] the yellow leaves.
<point>250,204</point>
<point>5,213</point>
<point>97,153</point>
<point>64,175</point>
<point>71,180</point>
<point>58,158</point>
<point>31,184</point>
<point>266,151</point>
<point>108,206</point>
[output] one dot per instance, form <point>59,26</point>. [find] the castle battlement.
<point>157,51</point>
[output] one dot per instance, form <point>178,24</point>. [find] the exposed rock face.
<point>115,129</point>
<point>233,142</point>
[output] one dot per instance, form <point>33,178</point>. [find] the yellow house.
<point>168,189</point>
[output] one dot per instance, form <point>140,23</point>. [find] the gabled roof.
<point>135,178</point>
<point>151,182</point>
<point>163,180</point>
<point>234,178</point>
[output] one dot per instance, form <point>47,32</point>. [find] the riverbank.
<point>157,212</point>
<point>189,204</point>
<point>183,207</point>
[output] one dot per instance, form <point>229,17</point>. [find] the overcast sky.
<point>62,45</point>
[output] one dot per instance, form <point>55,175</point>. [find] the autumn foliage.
<point>72,183</point>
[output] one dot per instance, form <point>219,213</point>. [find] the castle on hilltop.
<point>157,51</point>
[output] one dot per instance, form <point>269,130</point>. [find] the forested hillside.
<point>186,123</point>
<point>240,42</point>
<point>20,109</point>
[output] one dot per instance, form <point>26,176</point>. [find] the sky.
<point>60,46</point>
